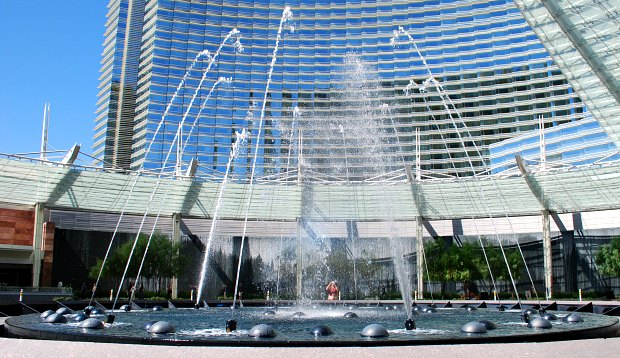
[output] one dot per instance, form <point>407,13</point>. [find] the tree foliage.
<point>608,258</point>
<point>497,263</point>
<point>162,260</point>
<point>367,269</point>
<point>449,263</point>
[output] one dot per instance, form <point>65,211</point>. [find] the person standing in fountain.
<point>332,291</point>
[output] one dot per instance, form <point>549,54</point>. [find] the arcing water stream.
<point>212,59</point>
<point>286,16</point>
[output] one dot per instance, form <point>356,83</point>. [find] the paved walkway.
<point>36,348</point>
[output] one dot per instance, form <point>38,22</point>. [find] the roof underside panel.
<point>567,190</point>
<point>582,38</point>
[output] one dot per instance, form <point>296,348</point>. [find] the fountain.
<point>345,323</point>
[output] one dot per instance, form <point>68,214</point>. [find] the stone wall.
<point>16,227</point>
<point>16,238</point>
<point>48,254</point>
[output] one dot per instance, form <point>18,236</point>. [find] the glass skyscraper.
<point>460,76</point>
<point>118,83</point>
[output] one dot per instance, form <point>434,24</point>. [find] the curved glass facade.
<point>492,80</point>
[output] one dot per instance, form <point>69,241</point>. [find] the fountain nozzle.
<point>196,306</point>
<point>525,317</point>
<point>410,324</point>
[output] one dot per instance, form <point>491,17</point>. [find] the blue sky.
<point>50,51</point>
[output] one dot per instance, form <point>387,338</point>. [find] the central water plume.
<point>354,141</point>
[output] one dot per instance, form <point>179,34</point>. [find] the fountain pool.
<point>207,326</point>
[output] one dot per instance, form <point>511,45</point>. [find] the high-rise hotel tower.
<point>448,79</point>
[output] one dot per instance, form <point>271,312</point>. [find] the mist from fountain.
<point>241,140</point>
<point>292,148</point>
<point>362,127</point>
<point>358,127</point>
<point>353,246</point>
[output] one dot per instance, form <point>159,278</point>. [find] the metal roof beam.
<point>531,182</point>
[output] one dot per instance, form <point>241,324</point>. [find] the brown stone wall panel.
<point>7,224</point>
<point>24,231</point>
<point>25,224</point>
<point>7,230</point>
<point>10,213</point>
<point>7,236</point>
<point>16,227</point>
<point>49,229</point>
<point>4,241</point>
<point>46,274</point>
<point>22,237</point>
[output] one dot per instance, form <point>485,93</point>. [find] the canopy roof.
<point>560,190</point>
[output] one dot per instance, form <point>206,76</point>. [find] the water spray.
<point>286,16</point>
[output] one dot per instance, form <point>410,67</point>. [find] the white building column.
<point>176,237</point>
<point>547,257</point>
<point>546,229</point>
<point>299,261</point>
<point>37,243</point>
<point>420,256</point>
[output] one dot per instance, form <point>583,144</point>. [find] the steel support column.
<point>417,199</point>
<point>546,229</point>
